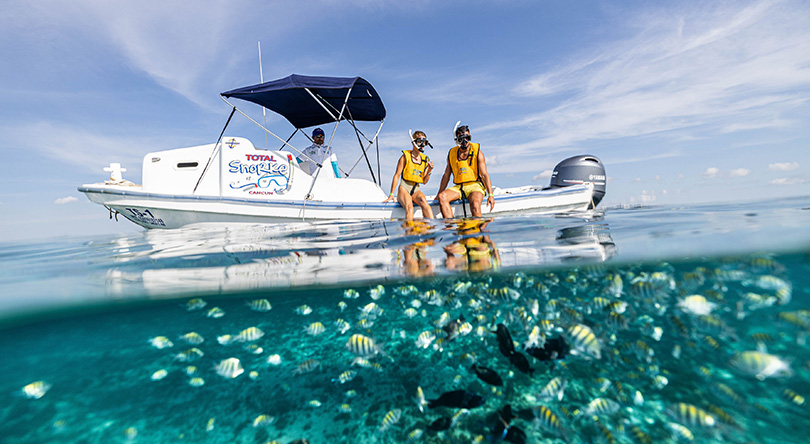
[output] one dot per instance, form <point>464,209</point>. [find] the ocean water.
<point>627,325</point>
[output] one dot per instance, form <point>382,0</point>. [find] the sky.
<point>685,102</point>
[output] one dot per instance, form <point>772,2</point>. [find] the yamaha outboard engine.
<point>581,169</point>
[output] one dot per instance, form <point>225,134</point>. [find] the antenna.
<point>264,110</point>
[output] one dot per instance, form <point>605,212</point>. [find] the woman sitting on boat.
<point>413,169</point>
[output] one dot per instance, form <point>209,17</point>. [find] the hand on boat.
<point>389,198</point>
<point>491,202</point>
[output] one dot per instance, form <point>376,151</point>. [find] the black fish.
<point>518,360</point>
<point>440,424</point>
<point>461,399</point>
<point>487,375</point>
<point>515,435</point>
<point>505,343</point>
<point>501,429</point>
<point>452,327</point>
<point>554,348</point>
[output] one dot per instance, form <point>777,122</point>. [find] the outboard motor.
<point>581,169</point>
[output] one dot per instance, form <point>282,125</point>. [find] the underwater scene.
<point>632,326</point>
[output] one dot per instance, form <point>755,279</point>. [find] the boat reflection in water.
<point>227,259</point>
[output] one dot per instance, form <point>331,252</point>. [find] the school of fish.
<point>594,354</point>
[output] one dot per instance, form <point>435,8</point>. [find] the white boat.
<point>232,181</point>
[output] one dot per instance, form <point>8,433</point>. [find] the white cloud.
<point>183,45</point>
<point>65,200</point>
<point>784,166</point>
<point>716,69</point>
<point>740,172</point>
<point>787,181</point>
<point>75,146</point>
<point>544,175</point>
<point>711,172</point>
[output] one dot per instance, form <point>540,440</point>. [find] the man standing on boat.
<point>315,154</point>
<point>468,166</point>
<point>414,169</point>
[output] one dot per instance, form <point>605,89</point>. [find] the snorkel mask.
<point>420,142</point>
<point>463,141</point>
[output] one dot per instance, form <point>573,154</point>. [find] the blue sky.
<point>685,102</point>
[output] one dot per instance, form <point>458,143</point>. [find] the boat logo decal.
<point>231,143</point>
<point>144,217</point>
<point>260,174</point>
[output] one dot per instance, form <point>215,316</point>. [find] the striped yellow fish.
<point>260,305</point>
<point>554,389</point>
<point>584,341</point>
<point>263,420</point>
<point>391,418</point>
<point>420,399</point>
<point>315,328</point>
<point>192,338</point>
<point>346,376</point>
<point>195,304</point>
<point>689,414</point>
<point>601,406</point>
<point>362,346</point>
<point>306,367</point>
<point>36,389</point>
<point>229,368</point>
<point>793,397</point>
<point>249,334</point>
<point>424,339</point>
<point>547,419</point>
<point>761,365</point>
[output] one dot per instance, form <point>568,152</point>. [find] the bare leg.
<point>421,200</point>
<point>445,197</point>
<point>404,199</point>
<point>475,199</point>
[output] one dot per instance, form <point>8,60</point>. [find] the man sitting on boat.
<point>413,169</point>
<point>315,154</point>
<point>468,166</point>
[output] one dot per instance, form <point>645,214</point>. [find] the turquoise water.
<point>684,324</point>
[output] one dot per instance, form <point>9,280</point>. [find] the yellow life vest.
<point>415,172</point>
<point>464,171</point>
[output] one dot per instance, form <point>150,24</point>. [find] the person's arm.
<point>482,171</point>
<point>400,166</point>
<point>445,178</point>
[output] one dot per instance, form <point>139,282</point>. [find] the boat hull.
<point>154,210</point>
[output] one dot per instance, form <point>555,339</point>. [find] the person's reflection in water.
<point>475,251</point>
<point>414,256</point>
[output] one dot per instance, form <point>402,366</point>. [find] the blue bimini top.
<point>289,98</point>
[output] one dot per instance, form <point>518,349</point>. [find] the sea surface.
<point>624,325</point>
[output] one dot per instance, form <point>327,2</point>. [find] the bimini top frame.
<point>307,101</point>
